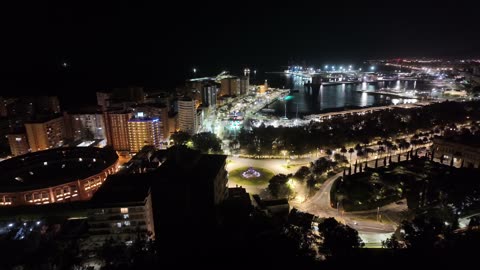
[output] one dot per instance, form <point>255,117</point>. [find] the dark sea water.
<point>332,97</point>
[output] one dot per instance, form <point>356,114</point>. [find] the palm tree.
<point>343,150</point>
<point>358,147</point>
<point>351,151</point>
<point>394,149</point>
<point>381,150</point>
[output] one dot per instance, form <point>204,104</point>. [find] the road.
<point>319,205</point>
<point>365,222</point>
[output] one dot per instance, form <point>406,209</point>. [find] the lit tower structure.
<point>144,131</point>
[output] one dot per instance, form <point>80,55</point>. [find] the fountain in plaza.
<point>250,173</point>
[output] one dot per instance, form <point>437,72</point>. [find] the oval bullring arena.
<point>56,175</point>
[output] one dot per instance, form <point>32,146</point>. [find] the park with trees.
<point>340,131</point>
<point>422,182</point>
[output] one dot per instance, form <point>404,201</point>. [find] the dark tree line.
<point>205,142</point>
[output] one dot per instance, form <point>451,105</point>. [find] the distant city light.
<point>194,70</point>
<point>326,66</point>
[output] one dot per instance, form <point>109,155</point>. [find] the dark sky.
<point>119,43</point>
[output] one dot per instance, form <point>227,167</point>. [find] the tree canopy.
<point>206,142</point>
<point>338,239</point>
<point>180,137</point>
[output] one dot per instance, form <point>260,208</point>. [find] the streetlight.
<point>326,67</point>
<point>194,71</point>
<point>372,68</point>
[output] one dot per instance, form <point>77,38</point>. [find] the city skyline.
<point>265,135</point>
<point>67,48</point>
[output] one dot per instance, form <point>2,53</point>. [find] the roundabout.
<point>250,176</point>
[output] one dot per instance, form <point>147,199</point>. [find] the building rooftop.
<point>185,99</point>
<point>39,119</point>
<point>144,119</point>
<point>183,168</point>
<point>154,105</point>
<point>85,110</point>
<point>53,167</point>
<point>469,140</point>
<point>121,189</point>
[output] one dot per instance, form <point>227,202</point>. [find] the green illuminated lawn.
<point>236,177</point>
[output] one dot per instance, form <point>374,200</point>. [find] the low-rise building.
<point>120,210</point>
<point>459,151</point>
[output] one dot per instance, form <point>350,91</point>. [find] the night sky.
<point>157,46</point>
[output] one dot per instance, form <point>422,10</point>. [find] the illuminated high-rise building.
<point>117,129</point>
<point>244,85</point>
<point>155,110</point>
<point>230,86</point>
<point>18,144</point>
<point>187,115</point>
<point>144,131</point>
<point>43,135</point>
<point>209,95</point>
<point>85,126</point>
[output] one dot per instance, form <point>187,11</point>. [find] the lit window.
<point>119,224</point>
<point>124,210</point>
<point>125,216</point>
<point>127,223</point>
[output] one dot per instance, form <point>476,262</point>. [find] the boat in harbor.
<point>268,110</point>
<point>393,90</point>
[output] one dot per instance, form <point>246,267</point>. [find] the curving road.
<point>362,221</point>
